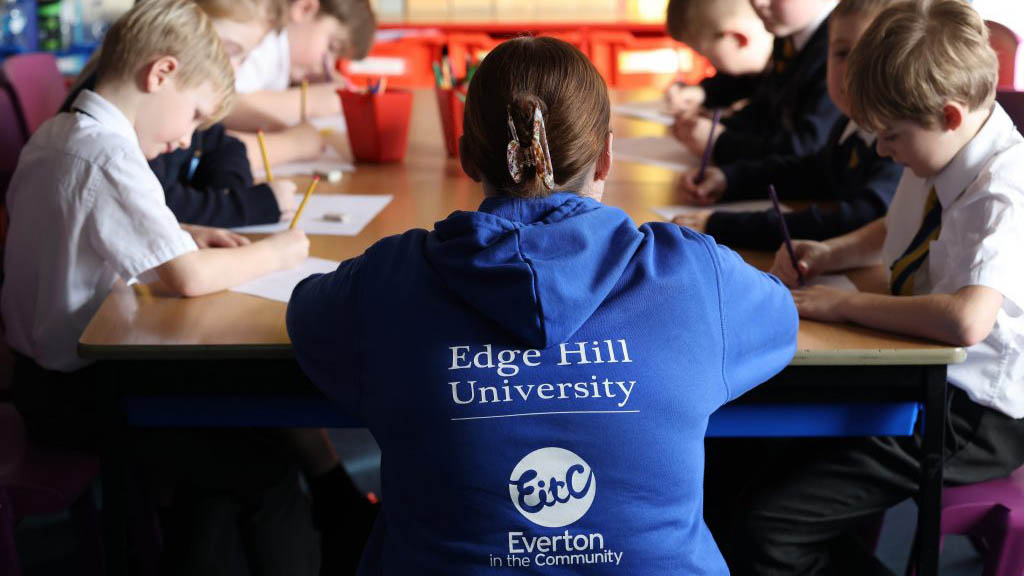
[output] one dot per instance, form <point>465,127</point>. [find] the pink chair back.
<point>38,87</point>
<point>992,511</point>
<point>1010,53</point>
<point>12,138</point>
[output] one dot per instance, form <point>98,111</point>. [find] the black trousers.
<point>229,499</point>
<point>794,506</point>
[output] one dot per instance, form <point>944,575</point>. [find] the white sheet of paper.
<point>359,211</point>
<point>670,212</point>
<point>279,285</point>
<point>838,281</point>
<point>654,111</point>
<point>328,161</point>
<point>663,151</point>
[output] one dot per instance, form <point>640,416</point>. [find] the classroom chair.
<point>12,138</point>
<point>38,87</point>
<point>1013,102</point>
<point>37,482</point>
<point>1007,45</point>
<point>992,514</point>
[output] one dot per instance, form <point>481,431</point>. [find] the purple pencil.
<point>785,233</point>
<point>706,159</point>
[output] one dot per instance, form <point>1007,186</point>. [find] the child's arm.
<point>205,271</point>
<point>211,183</point>
<point>271,110</point>
<point>963,318</point>
<point>760,230</point>
<point>860,248</point>
<point>296,143</point>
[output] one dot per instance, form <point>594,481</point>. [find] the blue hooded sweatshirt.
<point>539,375</point>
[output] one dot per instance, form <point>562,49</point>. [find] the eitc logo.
<point>552,487</point>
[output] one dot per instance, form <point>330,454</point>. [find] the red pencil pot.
<point>452,106</point>
<point>378,124</point>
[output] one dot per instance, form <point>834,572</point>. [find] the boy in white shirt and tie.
<point>952,241</point>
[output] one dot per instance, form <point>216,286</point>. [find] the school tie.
<point>784,52</point>
<point>901,273</point>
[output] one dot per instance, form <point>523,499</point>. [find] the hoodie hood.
<point>538,267</point>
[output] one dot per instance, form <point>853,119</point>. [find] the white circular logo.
<point>552,487</point>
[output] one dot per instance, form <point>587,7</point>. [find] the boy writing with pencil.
<point>924,78</point>
<point>790,111</point>
<point>316,33</point>
<point>847,182</point>
<point>732,37</point>
<point>85,173</point>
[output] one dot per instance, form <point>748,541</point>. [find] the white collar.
<point>105,113</point>
<point>801,38</point>
<point>851,129</point>
<point>965,167</point>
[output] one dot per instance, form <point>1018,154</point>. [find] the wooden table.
<point>145,327</point>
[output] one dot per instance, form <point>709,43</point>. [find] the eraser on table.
<point>336,217</point>
<point>332,176</point>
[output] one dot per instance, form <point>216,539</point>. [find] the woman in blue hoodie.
<point>539,373</point>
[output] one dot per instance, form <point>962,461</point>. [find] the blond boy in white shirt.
<point>923,77</point>
<point>85,208</point>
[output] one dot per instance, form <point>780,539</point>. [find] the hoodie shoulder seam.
<point>721,313</point>
<point>533,284</point>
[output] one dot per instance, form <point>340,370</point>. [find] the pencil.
<point>706,159</point>
<point>309,192</point>
<point>266,160</point>
<point>302,101</point>
<point>785,233</point>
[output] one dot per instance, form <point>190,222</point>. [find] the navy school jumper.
<point>849,185</point>
<point>789,113</point>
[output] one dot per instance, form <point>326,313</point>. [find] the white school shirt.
<point>85,209</point>
<point>267,67</point>
<point>981,243</point>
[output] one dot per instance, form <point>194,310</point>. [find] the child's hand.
<point>206,237</point>
<point>684,99</point>
<point>693,132</point>
<point>812,258</point>
<point>696,221</point>
<point>708,191</point>
<point>324,99</point>
<point>284,193</point>
<point>290,246</point>
<point>821,303</point>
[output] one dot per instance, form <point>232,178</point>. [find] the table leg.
<point>930,499</point>
<point>114,477</point>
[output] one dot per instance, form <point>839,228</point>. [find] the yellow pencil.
<point>263,151</point>
<point>309,192</point>
<point>302,102</point>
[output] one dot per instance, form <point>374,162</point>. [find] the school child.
<point>847,174</point>
<point>923,78</point>
<point>210,181</point>
<point>86,210</point>
<point>316,33</point>
<point>502,364</point>
<point>790,112</point>
<point>732,37</point>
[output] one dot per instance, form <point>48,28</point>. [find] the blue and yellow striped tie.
<point>901,273</point>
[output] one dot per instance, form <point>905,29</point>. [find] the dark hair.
<point>527,73</point>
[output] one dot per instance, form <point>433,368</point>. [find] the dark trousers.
<point>230,499</point>
<point>794,506</point>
